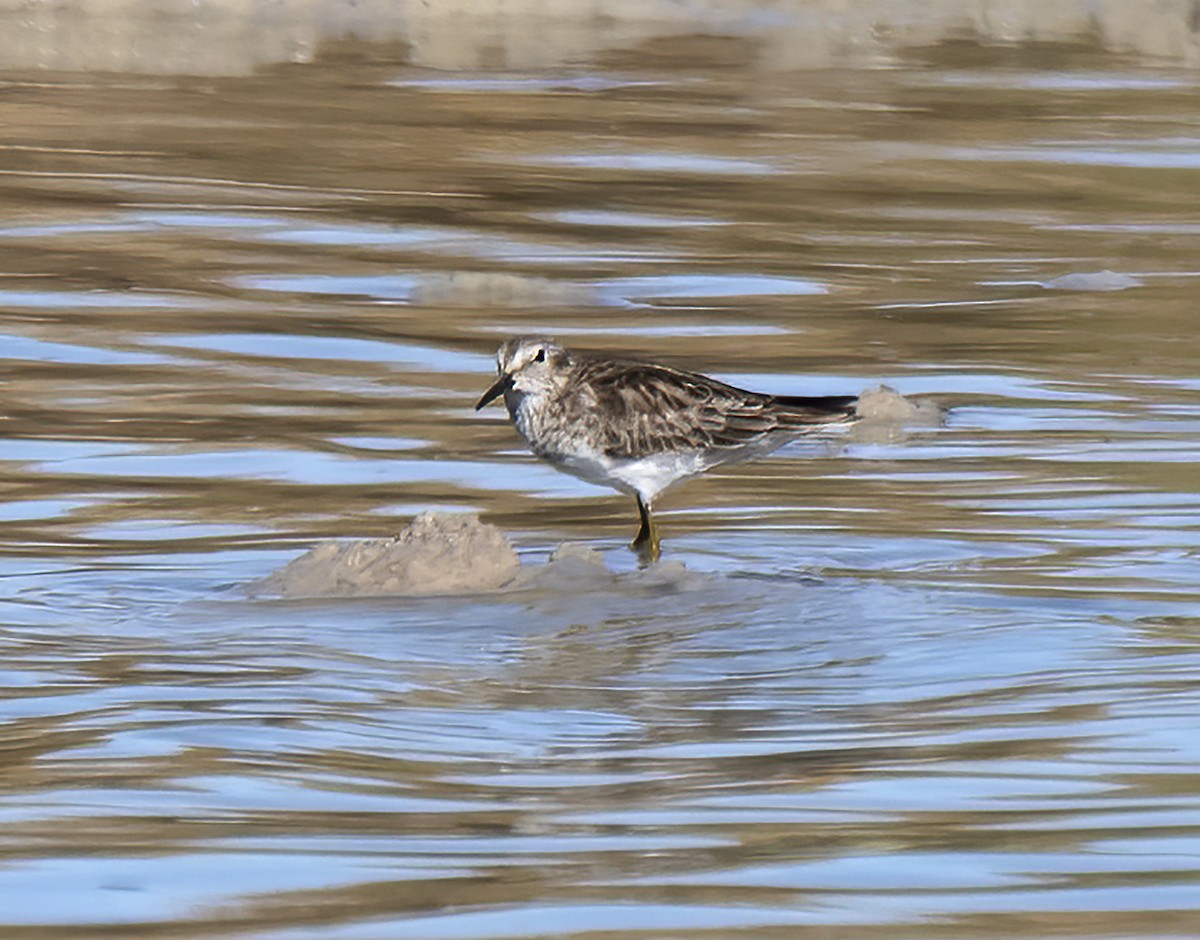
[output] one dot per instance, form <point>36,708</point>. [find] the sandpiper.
<point>638,426</point>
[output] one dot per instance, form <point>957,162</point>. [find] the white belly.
<point>647,476</point>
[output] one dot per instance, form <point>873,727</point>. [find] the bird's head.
<point>529,365</point>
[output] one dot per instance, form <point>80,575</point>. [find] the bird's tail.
<point>817,409</point>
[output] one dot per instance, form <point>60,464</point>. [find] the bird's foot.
<point>647,545</point>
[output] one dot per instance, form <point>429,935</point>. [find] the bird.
<point>639,426</point>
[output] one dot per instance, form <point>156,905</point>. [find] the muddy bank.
<point>233,37</point>
<point>442,553</point>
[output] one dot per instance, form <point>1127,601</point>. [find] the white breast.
<point>573,453</point>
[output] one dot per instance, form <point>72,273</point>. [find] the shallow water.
<point>938,684</point>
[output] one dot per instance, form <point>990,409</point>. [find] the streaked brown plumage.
<point>639,426</point>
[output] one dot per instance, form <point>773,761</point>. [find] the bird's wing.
<point>640,409</point>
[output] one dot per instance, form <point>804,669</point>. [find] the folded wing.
<point>651,409</point>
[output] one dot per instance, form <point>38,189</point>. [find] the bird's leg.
<point>646,542</point>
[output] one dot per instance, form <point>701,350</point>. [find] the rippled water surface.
<point>938,684</point>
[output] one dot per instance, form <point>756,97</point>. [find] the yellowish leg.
<point>646,543</point>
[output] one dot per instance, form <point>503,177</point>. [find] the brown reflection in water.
<point>269,304</point>
<point>889,189</point>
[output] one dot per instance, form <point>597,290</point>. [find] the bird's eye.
<point>541,355</point>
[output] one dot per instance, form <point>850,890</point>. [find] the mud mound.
<point>438,553</point>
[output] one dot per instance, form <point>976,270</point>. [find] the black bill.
<point>501,385</point>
